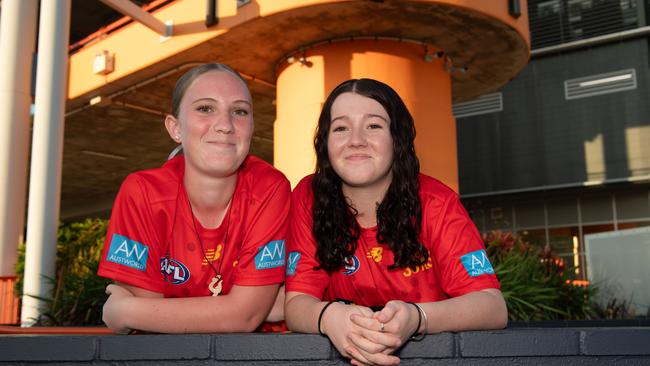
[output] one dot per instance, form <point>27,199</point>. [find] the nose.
<point>223,123</point>
<point>357,137</point>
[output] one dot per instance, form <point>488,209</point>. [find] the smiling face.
<point>359,142</point>
<point>214,124</point>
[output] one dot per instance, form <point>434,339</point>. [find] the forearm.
<point>301,312</point>
<point>228,313</point>
<point>477,310</point>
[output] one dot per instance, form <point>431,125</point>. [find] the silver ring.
<point>381,327</point>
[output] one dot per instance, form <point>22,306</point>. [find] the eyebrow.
<point>365,116</point>
<point>207,99</point>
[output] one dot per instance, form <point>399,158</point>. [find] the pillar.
<point>47,152</point>
<point>17,43</point>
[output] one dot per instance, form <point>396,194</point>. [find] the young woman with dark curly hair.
<point>379,253</point>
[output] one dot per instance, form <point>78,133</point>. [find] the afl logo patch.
<point>351,266</point>
<point>174,271</point>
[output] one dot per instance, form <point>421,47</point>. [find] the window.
<point>554,22</point>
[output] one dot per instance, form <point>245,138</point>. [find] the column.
<point>47,149</point>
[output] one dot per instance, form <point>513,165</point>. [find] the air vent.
<point>611,82</point>
<point>487,103</point>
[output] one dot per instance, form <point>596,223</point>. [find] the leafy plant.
<point>78,293</point>
<point>534,282</point>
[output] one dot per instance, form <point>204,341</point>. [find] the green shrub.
<point>534,282</point>
<point>78,293</point>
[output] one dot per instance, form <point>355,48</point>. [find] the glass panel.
<point>632,205</point>
<point>562,212</point>
<point>530,215</point>
<point>591,229</point>
<point>560,21</point>
<point>566,246</point>
<point>596,208</point>
<point>632,225</point>
<point>535,237</point>
<point>498,217</point>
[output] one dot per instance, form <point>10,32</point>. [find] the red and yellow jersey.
<point>152,242</point>
<point>457,261</point>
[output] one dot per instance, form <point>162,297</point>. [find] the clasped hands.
<point>367,337</point>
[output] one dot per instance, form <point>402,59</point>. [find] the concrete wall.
<point>514,346</point>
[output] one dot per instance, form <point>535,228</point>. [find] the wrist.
<point>323,316</point>
<point>423,322</point>
<point>415,319</point>
<point>123,312</point>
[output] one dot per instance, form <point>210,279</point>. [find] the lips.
<point>358,157</point>
<point>223,144</point>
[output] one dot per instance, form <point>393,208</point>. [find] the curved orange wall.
<point>136,47</point>
<point>424,86</point>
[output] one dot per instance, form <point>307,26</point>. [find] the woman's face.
<point>214,124</point>
<point>359,142</point>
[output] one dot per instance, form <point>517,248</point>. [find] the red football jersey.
<point>457,261</point>
<point>152,243</point>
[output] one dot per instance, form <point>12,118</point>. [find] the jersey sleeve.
<point>131,250</point>
<point>459,252</point>
<point>301,263</point>
<point>262,257</point>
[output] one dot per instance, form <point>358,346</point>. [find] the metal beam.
<point>128,8</point>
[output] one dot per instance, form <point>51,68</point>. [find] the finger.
<point>354,354</point>
<point>365,311</point>
<point>387,313</point>
<point>109,289</point>
<point>377,358</point>
<point>366,323</point>
<point>388,338</point>
<point>365,344</point>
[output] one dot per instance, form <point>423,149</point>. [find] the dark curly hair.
<point>399,215</point>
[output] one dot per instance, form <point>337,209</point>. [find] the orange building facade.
<point>293,53</point>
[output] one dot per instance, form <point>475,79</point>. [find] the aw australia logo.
<point>128,252</point>
<point>351,265</point>
<point>270,255</point>
<point>174,271</point>
<point>477,263</point>
<point>292,263</point>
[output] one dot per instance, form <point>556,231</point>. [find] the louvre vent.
<point>487,103</point>
<point>610,82</point>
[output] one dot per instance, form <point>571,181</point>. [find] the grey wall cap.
<point>47,348</point>
<point>617,341</point>
<point>513,346</point>
<point>520,342</point>
<point>155,347</point>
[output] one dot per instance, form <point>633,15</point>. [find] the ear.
<point>173,127</point>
